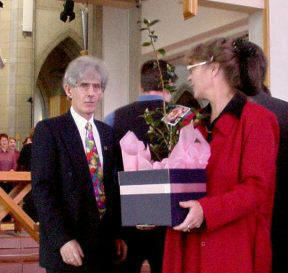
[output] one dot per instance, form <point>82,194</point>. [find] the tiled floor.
<point>21,245</point>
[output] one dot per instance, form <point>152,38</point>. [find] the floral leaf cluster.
<point>162,136</point>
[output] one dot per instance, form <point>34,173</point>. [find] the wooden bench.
<point>10,203</point>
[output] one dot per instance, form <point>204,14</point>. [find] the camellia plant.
<point>162,135</point>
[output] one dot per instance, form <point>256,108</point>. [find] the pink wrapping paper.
<point>191,152</point>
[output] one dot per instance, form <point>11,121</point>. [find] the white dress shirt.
<point>81,123</point>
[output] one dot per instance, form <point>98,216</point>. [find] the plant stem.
<point>158,64</point>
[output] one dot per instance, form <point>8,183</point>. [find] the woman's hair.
<point>239,61</point>
<point>4,136</point>
<point>253,66</point>
<point>11,138</point>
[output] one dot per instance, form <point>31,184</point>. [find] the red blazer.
<point>238,206</point>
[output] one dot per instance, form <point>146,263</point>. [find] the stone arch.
<point>70,33</point>
<point>50,74</point>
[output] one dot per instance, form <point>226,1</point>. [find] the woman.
<point>12,146</point>
<point>228,231</point>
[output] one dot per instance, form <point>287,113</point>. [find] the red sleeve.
<point>257,174</point>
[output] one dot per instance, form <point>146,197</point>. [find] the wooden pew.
<point>10,203</point>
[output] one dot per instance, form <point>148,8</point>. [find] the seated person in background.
<point>7,160</point>
<point>12,147</point>
<point>28,140</point>
<point>24,164</point>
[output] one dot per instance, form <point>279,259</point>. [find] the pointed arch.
<point>70,33</point>
<point>54,61</point>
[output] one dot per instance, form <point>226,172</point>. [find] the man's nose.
<point>91,90</point>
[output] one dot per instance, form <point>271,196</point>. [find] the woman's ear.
<point>215,68</point>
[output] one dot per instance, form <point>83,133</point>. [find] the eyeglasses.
<point>189,67</point>
<point>86,85</point>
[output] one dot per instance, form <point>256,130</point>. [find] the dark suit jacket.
<point>64,195</point>
<point>280,211</point>
<point>130,117</point>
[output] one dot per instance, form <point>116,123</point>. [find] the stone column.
<point>278,48</point>
<point>18,73</point>
<point>121,52</point>
<point>95,31</point>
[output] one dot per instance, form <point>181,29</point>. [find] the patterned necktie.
<point>96,170</point>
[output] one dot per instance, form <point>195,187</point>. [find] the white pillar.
<point>279,48</point>
<point>255,22</point>
<point>121,53</point>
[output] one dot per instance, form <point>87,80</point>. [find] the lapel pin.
<point>105,148</point>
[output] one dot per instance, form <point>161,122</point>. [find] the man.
<point>256,64</point>
<point>143,243</point>
<point>73,179</point>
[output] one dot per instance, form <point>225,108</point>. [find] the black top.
<point>234,107</point>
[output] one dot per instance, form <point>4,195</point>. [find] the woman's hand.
<point>194,218</point>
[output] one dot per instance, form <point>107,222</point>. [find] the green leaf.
<point>146,44</point>
<point>162,51</point>
<point>154,22</point>
<point>146,22</point>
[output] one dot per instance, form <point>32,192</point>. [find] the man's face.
<point>4,143</point>
<point>86,94</point>
<point>12,144</point>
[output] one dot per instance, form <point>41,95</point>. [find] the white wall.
<point>173,29</point>
<point>256,28</point>
<point>115,55</point>
<point>279,48</point>
<point>121,56</point>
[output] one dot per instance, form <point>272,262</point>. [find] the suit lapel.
<point>103,140</point>
<point>72,140</point>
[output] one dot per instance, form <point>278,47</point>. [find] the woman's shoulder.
<point>254,111</point>
<point>255,117</point>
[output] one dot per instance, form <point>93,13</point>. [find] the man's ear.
<point>68,91</point>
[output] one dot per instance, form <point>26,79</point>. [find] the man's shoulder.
<point>271,103</point>
<point>52,124</point>
<point>138,105</point>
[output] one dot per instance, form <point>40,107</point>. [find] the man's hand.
<point>72,253</point>
<point>194,218</point>
<point>121,250</point>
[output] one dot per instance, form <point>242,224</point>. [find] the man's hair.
<point>150,75</point>
<point>3,136</point>
<point>77,68</point>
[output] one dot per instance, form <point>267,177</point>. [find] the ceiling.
<point>111,3</point>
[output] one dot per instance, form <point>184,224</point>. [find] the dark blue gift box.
<point>152,197</point>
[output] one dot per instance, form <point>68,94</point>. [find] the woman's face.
<point>4,143</point>
<point>12,144</point>
<point>200,80</point>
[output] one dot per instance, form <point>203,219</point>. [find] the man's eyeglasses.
<point>86,85</point>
